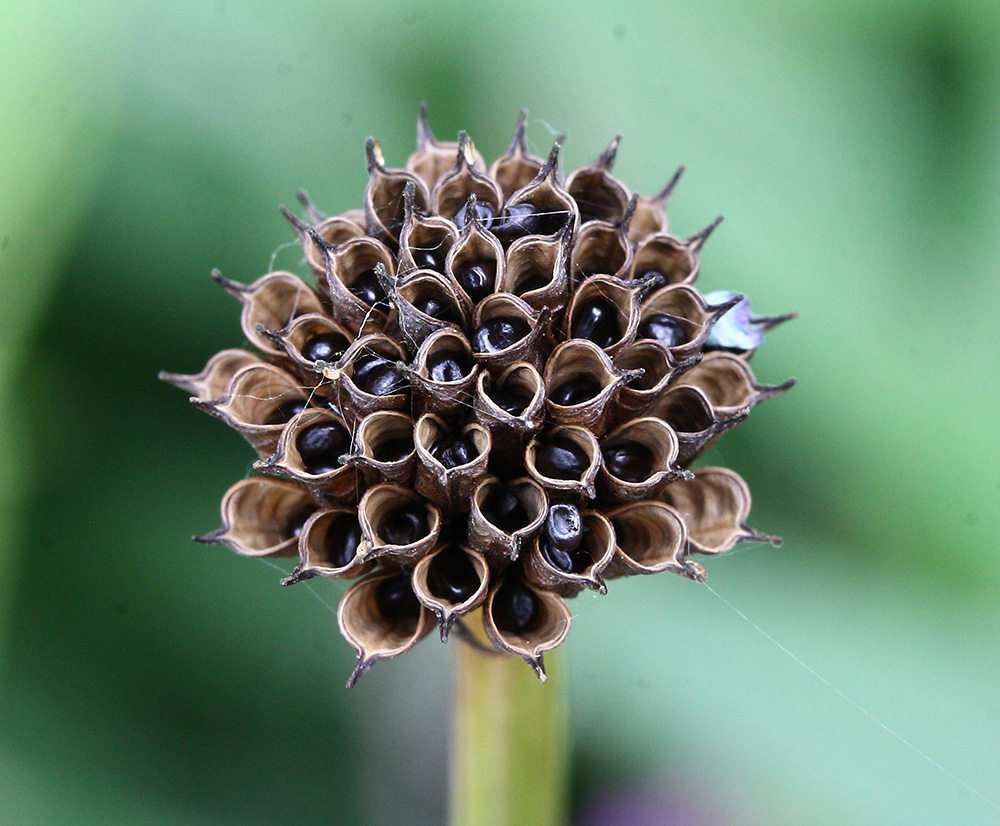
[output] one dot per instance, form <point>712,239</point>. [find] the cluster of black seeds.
<point>488,401</point>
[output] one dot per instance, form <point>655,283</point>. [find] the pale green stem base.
<point>509,742</point>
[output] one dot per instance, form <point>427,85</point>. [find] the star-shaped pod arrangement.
<point>489,401</point>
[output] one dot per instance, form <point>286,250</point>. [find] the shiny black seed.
<point>518,220</point>
<point>666,329</point>
<point>395,599</point>
<point>427,259</point>
<point>597,320</point>
<point>444,366</point>
<point>404,525</point>
<point>366,287</point>
<point>559,458</point>
<point>324,347</point>
<point>453,450</point>
<point>575,391</point>
<point>342,540</point>
<point>364,365</point>
<point>436,308</point>
<point>564,527</point>
<point>378,376</point>
<point>505,510</point>
<point>515,607</point>
<point>499,333</point>
<point>296,522</point>
<point>484,212</point>
<point>321,445</point>
<point>570,562</point>
<point>392,450</point>
<point>514,400</point>
<point>535,281</point>
<point>452,576</point>
<point>631,461</point>
<point>285,411</point>
<point>478,279</point>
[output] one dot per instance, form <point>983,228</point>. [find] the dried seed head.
<point>491,399</point>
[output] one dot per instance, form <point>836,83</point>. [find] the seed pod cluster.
<point>489,401</point>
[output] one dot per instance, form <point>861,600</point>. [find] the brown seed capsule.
<point>272,302</point>
<point>651,537</point>
<point>398,524</point>
<point>714,506</point>
<point>504,516</point>
<point>451,581</point>
<point>384,449</point>
<point>381,617</point>
<point>566,572</point>
<point>262,517</point>
<point>211,383</point>
<point>328,546</point>
<point>451,463</point>
<point>525,621</point>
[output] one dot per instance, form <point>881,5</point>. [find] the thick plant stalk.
<point>509,742</point>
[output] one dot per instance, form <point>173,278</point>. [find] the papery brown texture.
<point>488,400</point>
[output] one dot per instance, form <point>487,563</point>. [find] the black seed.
<point>364,365</point>
<point>436,308</point>
<point>392,450</point>
<point>286,411</point>
<point>564,527</point>
<point>342,540</point>
<point>631,461</point>
<point>575,391</point>
<point>597,320</point>
<point>499,333</point>
<point>404,525</point>
<point>295,522</point>
<point>321,445</point>
<point>514,400</point>
<point>445,366</point>
<point>395,599</point>
<point>324,347</point>
<point>570,562</point>
<point>454,449</point>
<point>534,281</point>
<point>478,279</point>
<point>452,576</point>
<point>427,259</point>
<point>559,458</point>
<point>505,510</point>
<point>366,287</point>
<point>518,220</point>
<point>666,329</point>
<point>377,375</point>
<point>515,607</point>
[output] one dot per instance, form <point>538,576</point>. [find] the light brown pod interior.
<point>380,430</point>
<point>211,383</point>
<point>314,553</point>
<point>714,506</point>
<point>374,635</point>
<point>650,537</point>
<point>674,259</point>
<point>548,631</point>
<point>454,187</point>
<point>262,517</point>
<point>384,199</point>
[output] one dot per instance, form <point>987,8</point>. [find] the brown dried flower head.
<point>489,401</point>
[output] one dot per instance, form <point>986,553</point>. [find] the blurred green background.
<point>853,151</point>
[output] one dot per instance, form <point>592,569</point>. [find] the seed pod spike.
<point>234,288</point>
<point>769,322</point>
<point>697,241</point>
<point>425,137</point>
<point>519,142</point>
<point>373,156</point>
<point>315,215</point>
<point>663,196</point>
<point>606,160</point>
<point>301,227</point>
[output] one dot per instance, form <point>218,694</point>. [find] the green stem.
<point>509,742</point>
